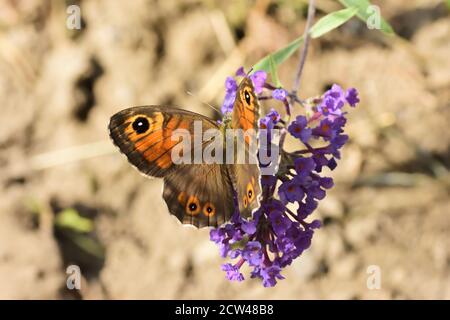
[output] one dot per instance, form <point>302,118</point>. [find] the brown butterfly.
<point>201,194</point>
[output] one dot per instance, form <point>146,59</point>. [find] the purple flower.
<point>275,236</point>
<point>305,208</point>
<point>224,249</point>
<point>304,166</point>
<point>232,272</point>
<point>268,180</point>
<point>280,223</point>
<point>230,85</point>
<point>270,275</point>
<point>352,97</point>
<point>299,130</point>
<point>233,254</point>
<point>233,233</point>
<point>279,94</point>
<point>326,182</point>
<point>325,130</point>
<point>249,227</point>
<point>337,94</point>
<point>314,190</point>
<point>332,102</point>
<point>240,72</point>
<point>217,235</point>
<point>332,164</point>
<point>252,253</point>
<point>259,79</point>
<point>266,123</point>
<point>274,115</point>
<point>315,224</point>
<point>270,120</point>
<point>230,95</point>
<point>320,161</point>
<point>291,191</point>
<point>285,244</point>
<point>303,242</point>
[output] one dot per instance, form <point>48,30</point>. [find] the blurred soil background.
<point>68,197</point>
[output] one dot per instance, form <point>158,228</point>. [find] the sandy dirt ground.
<point>59,87</point>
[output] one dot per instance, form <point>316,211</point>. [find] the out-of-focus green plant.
<point>71,219</point>
<point>329,22</point>
<point>77,228</point>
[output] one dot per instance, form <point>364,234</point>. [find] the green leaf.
<point>71,219</point>
<point>365,13</point>
<point>278,56</point>
<point>274,73</point>
<point>324,25</point>
<point>332,21</point>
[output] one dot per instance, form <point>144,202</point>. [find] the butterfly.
<point>199,194</point>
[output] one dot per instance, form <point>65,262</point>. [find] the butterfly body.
<point>200,193</point>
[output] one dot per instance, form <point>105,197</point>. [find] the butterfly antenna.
<point>205,103</point>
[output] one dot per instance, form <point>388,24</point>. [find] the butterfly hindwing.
<point>200,194</point>
<point>248,189</point>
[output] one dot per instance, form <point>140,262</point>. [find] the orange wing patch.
<point>193,206</point>
<point>155,142</point>
<point>182,198</point>
<point>246,109</point>
<point>250,192</point>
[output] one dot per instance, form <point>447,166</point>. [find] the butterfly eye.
<point>250,192</point>
<point>193,206</point>
<point>247,97</point>
<point>209,209</point>
<point>141,125</point>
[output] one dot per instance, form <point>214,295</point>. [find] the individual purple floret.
<point>352,97</point>
<point>259,79</point>
<point>230,94</point>
<point>298,129</point>
<point>279,94</point>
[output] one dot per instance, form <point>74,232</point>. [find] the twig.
<point>293,98</point>
<point>304,51</point>
<point>71,154</point>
